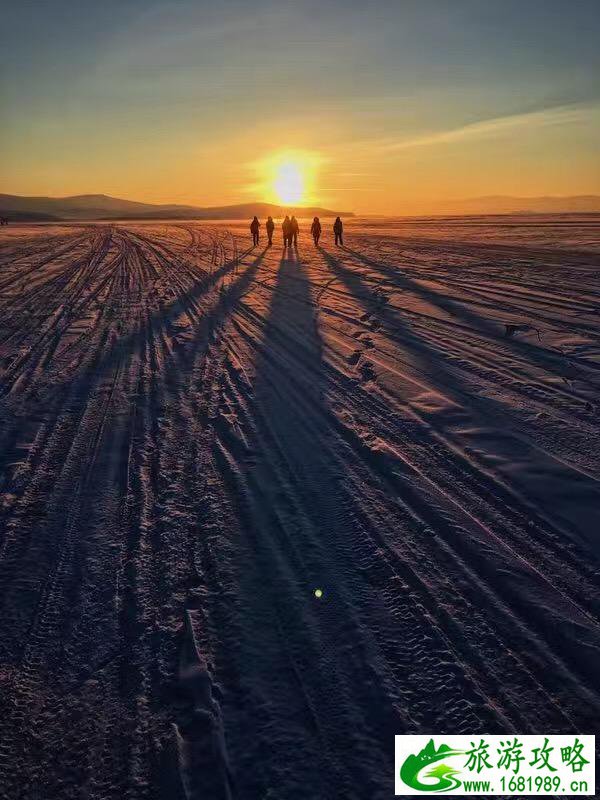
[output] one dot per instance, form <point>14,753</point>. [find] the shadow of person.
<point>535,352</point>
<point>414,346</point>
<point>291,334</point>
<point>298,517</point>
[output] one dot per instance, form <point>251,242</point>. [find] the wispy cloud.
<point>559,115</point>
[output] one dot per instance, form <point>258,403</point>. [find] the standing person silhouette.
<point>295,230</point>
<point>286,227</point>
<point>254,228</point>
<point>338,230</point>
<point>315,229</point>
<point>270,226</point>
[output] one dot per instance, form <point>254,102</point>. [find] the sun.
<point>287,177</point>
<point>288,183</point>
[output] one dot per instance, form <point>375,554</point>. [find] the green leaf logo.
<point>426,766</point>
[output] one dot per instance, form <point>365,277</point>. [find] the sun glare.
<point>287,177</point>
<point>289,183</point>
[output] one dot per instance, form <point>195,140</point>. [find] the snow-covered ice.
<point>195,436</point>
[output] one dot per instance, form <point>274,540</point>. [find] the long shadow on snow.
<point>50,531</point>
<point>297,525</point>
<point>124,347</point>
<point>539,357</point>
<point>423,356</point>
<point>176,367</point>
<point>428,360</point>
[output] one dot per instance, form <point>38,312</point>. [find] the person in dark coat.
<point>338,230</point>
<point>254,228</point>
<point>270,226</point>
<point>315,229</point>
<point>295,230</point>
<point>286,227</point>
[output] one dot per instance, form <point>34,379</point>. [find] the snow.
<point>197,437</point>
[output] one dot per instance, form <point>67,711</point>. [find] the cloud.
<point>559,115</point>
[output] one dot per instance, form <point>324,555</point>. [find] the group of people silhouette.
<point>291,230</point>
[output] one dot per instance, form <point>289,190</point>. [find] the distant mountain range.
<point>500,204</point>
<point>102,207</point>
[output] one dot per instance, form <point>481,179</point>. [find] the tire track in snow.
<point>205,449</point>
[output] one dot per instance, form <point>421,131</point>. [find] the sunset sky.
<point>384,106</point>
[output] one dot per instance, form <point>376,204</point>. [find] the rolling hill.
<point>103,207</point>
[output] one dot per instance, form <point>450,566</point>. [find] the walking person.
<point>315,229</point>
<point>338,230</point>
<point>270,226</point>
<point>295,230</point>
<point>254,228</point>
<point>286,227</point>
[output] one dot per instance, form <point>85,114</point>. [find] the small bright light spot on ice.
<point>318,593</point>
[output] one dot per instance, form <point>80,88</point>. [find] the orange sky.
<point>390,108</point>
